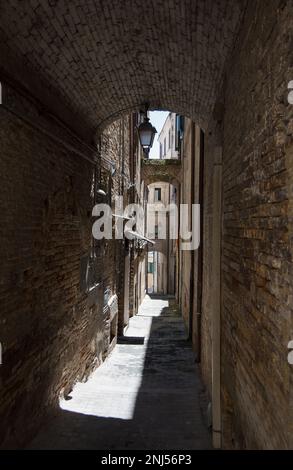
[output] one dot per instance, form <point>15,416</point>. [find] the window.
<point>150,268</point>
<point>179,130</point>
<point>158,194</point>
<point>156,231</point>
<point>169,139</point>
<point>173,197</point>
<point>165,146</point>
<point>161,150</point>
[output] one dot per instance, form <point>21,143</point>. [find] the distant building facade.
<point>161,260</point>
<point>171,136</point>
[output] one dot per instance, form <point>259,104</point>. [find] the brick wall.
<point>191,288</point>
<point>186,256</point>
<point>207,300</point>
<point>53,329</point>
<point>257,253</point>
<point>49,327</point>
<point>116,149</point>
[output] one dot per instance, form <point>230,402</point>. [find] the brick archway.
<point>168,171</point>
<point>104,58</point>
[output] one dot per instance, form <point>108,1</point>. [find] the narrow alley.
<point>146,395</point>
<point>146,225</point>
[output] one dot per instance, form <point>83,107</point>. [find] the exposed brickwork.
<point>108,57</point>
<point>89,62</point>
<point>48,325</point>
<point>257,251</point>
<point>53,331</point>
<point>161,170</point>
<point>185,257</point>
<point>206,318</point>
<point>115,148</point>
<point>190,260</point>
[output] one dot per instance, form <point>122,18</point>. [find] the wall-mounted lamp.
<point>146,133</point>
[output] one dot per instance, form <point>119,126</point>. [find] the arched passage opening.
<point>162,217</point>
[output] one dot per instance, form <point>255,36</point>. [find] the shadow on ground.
<point>166,414</point>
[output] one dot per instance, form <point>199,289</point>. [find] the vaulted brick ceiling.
<point>104,57</point>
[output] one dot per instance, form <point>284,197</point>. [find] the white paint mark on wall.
<point>290,355</point>
<point>290,95</point>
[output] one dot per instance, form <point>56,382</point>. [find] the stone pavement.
<point>145,396</point>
